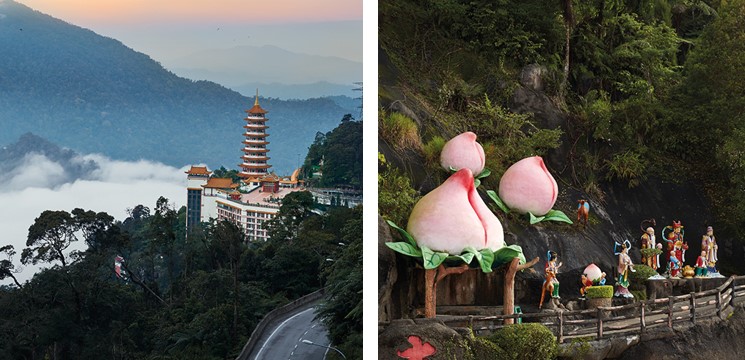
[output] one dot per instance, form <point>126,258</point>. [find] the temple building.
<point>254,146</point>
<point>255,199</point>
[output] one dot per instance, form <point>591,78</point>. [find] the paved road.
<point>283,342</point>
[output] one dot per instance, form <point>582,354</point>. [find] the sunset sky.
<point>168,29</point>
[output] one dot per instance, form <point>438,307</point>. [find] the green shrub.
<point>485,349</point>
<point>649,252</point>
<point>396,197</point>
<point>642,273</point>
<point>399,131</point>
<point>525,341</point>
<point>432,150</point>
<point>599,292</point>
<point>639,295</point>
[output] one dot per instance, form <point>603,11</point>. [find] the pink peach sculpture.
<point>453,217</point>
<point>528,187</point>
<point>463,151</point>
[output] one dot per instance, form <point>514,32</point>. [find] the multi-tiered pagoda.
<point>254,146</point>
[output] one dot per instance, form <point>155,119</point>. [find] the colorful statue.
<point>675,264</point>
<point>674,237</point>
<point>709,245</point>
<point>624,266</point>
<point>583,211</point>
<point>701,270</point>
<point>590,277</point>
<point>551,284</point>
<point>649,242</point>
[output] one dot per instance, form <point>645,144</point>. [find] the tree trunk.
<point>431,278</point>
<point>568,28</point>
<point>508,296</point>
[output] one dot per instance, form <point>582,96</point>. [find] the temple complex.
<point>255,199</point>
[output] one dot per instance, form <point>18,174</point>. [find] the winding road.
<point>284,341</point>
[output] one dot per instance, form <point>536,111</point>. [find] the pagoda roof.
<point>220,183</point>
<point>256,109</point>
<point>198,170</point>
<point>255,166</point>
<point>271,177</point>
<point>255,134</point>
<point>255,142</point>
<point>248,150</point>
<point>258,158</point>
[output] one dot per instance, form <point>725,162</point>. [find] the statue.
<point>675,264</point>
<point>709,245</point>
<point>624,266</point>
<point>590,277</point>
<point>551,284</point>
<point>676,244</point>
<point>649,242</point>
<point>586,283</point>
<point>583,212</point>
<point>701,265</point>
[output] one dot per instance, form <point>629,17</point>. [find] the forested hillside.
<point>176,297</point>
<point>95,95</point>
<point>637,106</point>
<point>337,155</point>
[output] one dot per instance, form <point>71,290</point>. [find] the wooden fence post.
<point>561,326</point>
<point>693,307</point>
<point>732,293</point>
<point>670,306</point>
<point>643,321</point>
<point>600,323</point>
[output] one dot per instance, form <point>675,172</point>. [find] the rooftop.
<point>259,197</point>
<point>198,170</point>
<point>220,183</point>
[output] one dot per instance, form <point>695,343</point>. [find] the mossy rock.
<point>599,292</point>
<point>525,341</point>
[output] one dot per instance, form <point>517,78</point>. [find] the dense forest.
<point>615,94</point>
<point>178,297</point>
<point>95,95</point>
<point>337,155</point>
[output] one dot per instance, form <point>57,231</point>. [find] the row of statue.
<point>674,249</point>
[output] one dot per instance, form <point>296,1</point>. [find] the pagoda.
<point>254,146</point>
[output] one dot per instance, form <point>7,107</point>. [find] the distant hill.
<point>93,94</point>
<point>265,64</point>
<point>52,165</point>
<point>300,91</point>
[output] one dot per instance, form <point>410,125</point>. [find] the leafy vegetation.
<point>525,341</point>
<point>337,155</point>
<point>599,292</point>
<point>178,298</point>
<point>640,85</point>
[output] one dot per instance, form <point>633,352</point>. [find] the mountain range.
<point>270,65</point>
<point>93,94</point>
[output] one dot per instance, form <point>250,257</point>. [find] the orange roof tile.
<point>256,109</point>
<point>220,183</point>
<point>198,170</point>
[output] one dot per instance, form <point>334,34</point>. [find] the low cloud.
<point>113,186</point>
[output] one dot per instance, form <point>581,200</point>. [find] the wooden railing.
<point>636,318</point>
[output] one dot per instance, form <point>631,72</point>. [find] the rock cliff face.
<point>616,219</point>
<point>709,340</point>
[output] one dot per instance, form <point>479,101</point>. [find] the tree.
<point>296,207</point>
<point>342,310</point>
<point>7,269</point>
<point>343,155</point>
<point>49,237</point>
